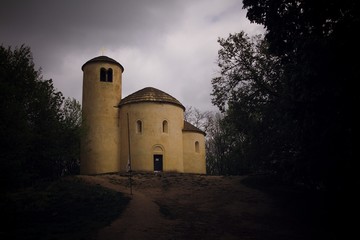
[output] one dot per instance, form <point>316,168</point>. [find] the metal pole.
<point>129,159</point>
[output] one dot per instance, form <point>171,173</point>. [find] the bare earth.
<point>185,206</point>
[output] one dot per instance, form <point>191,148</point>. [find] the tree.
<point>224,155</point>
<point>71,130</point>
<point>315,42</point>
<point>35,122</point>
<point>249,91</point>
<point>247,71</point>
<point>17,75</point>
<point>221,143</point>
<point>197,117</point>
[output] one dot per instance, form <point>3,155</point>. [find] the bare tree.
<point>198,118</point>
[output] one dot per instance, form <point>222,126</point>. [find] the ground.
<point>185,206</point>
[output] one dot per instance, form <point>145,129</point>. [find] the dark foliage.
<point>316,43</point>
<point>293,94</point>
<point>64,209</point>
<point>39,129</point>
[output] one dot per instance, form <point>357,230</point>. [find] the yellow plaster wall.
<point>152,140</point>
<point>100,151</point>
<point>194,162</point>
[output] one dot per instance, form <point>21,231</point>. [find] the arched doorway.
<point>158,153</point>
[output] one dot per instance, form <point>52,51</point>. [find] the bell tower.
<point>100,145</point>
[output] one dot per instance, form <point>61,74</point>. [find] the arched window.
<point>139,126</point>
<point>197,147</point>
<point>106,75</point>
<point>103,75</point>
<point>109,75</point>
<point>165,126</point>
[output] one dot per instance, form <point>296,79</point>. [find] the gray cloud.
<point>171,45</point>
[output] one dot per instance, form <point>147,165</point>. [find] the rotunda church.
<point>144,131</point>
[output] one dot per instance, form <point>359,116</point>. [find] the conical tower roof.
<point>103,59</point>
<point>150,94</point>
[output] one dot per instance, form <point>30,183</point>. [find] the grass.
<point>66,209</point>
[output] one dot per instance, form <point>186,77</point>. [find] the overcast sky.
<point>167,44</point>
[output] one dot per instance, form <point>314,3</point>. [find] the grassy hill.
<point>191,206</point>
<point>65,209</point>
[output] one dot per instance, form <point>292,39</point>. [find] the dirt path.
<point>140,220</point>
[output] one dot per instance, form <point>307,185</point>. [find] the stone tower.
<point>100,145</point>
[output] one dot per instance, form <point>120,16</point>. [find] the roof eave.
<point>149,101</point>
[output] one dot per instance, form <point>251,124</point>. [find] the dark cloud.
<point>56,26</point>
<point>170,45</point>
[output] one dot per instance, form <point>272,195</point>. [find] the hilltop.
<point>186,206</point>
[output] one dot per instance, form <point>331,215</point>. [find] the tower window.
<point>165,126</point>
<point>139,126</point>
<point>106,75</point>
<point>109,75</point>
<point>103,75</point>
<point>197,147</point>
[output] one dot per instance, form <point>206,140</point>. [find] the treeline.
<point>39,129</point>
<point>288,98</point>
<point>222,143</point>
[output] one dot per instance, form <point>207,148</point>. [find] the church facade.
<point>144,131</point>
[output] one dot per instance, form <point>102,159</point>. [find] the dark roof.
<point>103,59</point>
<point>150,94</point>
<point>188,127</point>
